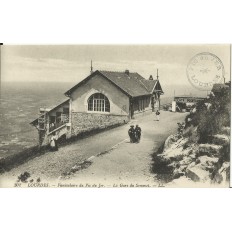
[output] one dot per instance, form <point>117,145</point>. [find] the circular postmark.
<point>204,70</point>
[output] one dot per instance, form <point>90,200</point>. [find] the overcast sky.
<point>71,63</point>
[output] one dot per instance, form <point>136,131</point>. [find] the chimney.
<point>151,78</point>
<point>91,67</point>
<point>127,72</point>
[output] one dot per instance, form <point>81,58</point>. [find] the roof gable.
<point>54,108</point>
<point>158,87</point>
<point>132,85</point>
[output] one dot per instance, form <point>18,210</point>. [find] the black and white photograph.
<point>115,116</point>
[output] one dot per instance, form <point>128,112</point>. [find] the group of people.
<point>134,134</point>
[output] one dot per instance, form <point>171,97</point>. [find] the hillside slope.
<point>200,151</point>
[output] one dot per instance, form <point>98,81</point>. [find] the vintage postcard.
<point>115,116</point>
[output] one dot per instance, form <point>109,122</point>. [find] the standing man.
<point>131,133</point>
<point>138,133</point>
<point>157,115</point>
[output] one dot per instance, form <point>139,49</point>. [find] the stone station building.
<point>101,100</point>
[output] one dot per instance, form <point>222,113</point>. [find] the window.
<point>66,110</point>
<point>58,117</point>
<point>52,119</point>
<point>98,102</point>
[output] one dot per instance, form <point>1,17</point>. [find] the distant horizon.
<point>72,63</point>
<point>69,64</point>
<point>169,89</point>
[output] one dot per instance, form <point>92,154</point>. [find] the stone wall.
<point>143,113</point>
<point>83,122</point>
<point>45,137</point>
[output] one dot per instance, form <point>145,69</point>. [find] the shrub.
<point>23,177</point>
<point>210,121</point>
<point>181,105</point>
<point>161,166</point>
<point>192,134</point>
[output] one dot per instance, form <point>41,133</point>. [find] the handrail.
<point>56,125</point>
<point>57,128</point>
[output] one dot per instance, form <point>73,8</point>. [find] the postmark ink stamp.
<point>204,70</point>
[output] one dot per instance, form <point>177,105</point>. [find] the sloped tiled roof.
<point>133,84</point>
<point>149,84</point>
<point>54,108</point>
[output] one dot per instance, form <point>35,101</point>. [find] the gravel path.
<point>128,165</point>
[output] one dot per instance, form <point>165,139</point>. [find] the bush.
<point>181,105</point>
<point>210,121</point>
<point>162,168</point>
<point>192,134</point>
<point>23,177</point>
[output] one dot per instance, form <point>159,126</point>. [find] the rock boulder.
<point>169,141</point>
<point>197,174</point>
<point>210,150</point>
<point>221,139</point>
<point>209,163</point>
<point>223,174</point>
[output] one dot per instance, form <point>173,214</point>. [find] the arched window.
<point>98,102</point>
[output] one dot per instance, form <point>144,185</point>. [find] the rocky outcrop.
<point>205,163</point>
<point>221,139</point>
<point>196,173</point>
<point>170,140</point>
<point>223,174</point>
<point>210,150</point>
<point>202,169</point>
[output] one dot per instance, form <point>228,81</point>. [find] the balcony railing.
<point>62,120</point>
<point>56,125</point>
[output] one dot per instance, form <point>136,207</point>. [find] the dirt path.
<point>126,163</point>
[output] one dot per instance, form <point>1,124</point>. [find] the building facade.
<point>101,100</point>
<point>185,102</point>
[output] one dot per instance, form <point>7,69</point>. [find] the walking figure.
<point>53,142</point>
<point>131,133</point>
<point>157,115</point>
<point>137,133</point>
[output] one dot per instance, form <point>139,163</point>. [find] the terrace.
<point>59,121</point>
<point>51,119</point>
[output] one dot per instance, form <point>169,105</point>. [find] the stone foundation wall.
<point>143,113</point>
<point>45,137</point>
<point>83,122</point>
